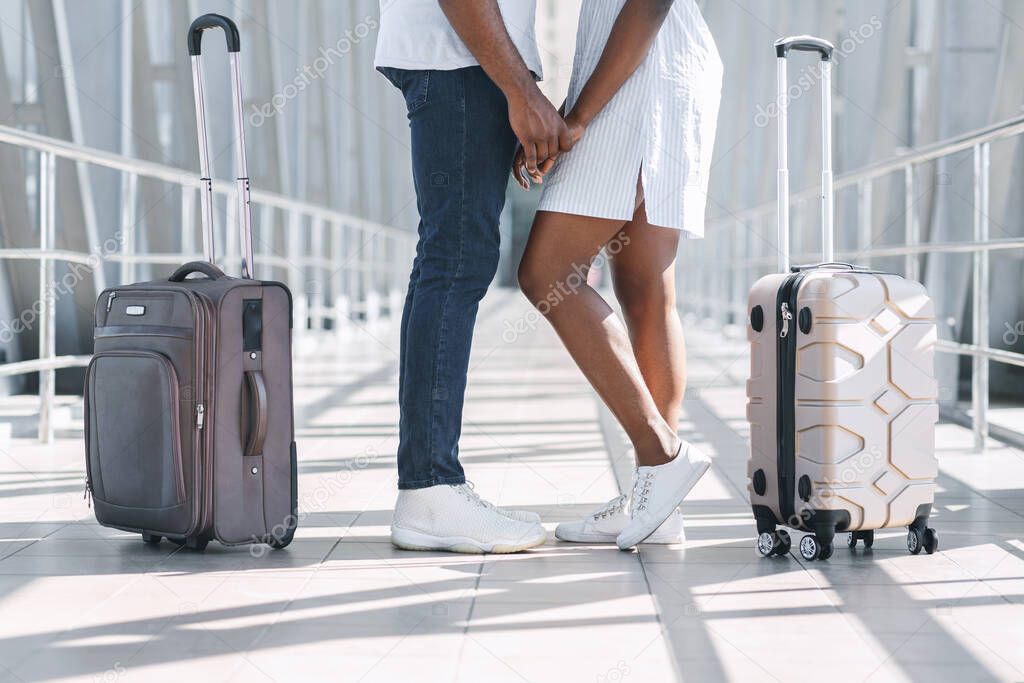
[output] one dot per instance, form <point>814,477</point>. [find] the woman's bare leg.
<point>553,276</point>
<point>644,276</point>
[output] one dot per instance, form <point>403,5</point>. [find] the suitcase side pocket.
<point>133,452</point>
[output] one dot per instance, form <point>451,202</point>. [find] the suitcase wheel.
<point>773,543</point>
<point>867,536</point>
<point>196,543</point>
<point>931,541</point>
<point>915,540</point>
<point>919,539</point>
<point>279,543</point>
<point>811,548</point>
<point>151,539</point>
<point>785,543</point>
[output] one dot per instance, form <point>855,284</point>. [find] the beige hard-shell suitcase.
<point>842,390</point>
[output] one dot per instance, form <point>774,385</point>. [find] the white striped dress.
<point>660,126</point>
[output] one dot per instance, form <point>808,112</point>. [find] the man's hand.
<point>541,131</point>
<point>520,172</point>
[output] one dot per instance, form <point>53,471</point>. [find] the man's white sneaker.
<point>454,518</point>
<point>607,522</point>
<point>658,491</point>
<point>520,515</point>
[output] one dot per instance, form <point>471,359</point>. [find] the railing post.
<point>294,257</point>
<point>980,364</point>
<point>231,244</point>
<point>337,279</point>
<point>726,294</point>
<point>751,270</point>
<point>864,215</point>
<point>737,303</point>
<point>367,252</point>
<point>188,230</point>
<point>265,242</point>
<point>318,295</point>
<point>47,294</point>
<point>352,261</point>
<point>912,237</point>
<point>129,186</point>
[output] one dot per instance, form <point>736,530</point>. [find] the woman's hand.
<point>576,128</point>
<point>520,170</point>
<point>523,175</point>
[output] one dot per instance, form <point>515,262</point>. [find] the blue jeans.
<point>462,148</point>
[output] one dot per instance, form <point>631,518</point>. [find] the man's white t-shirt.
<point>415,34</point>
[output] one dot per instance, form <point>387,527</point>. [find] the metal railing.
<point>719,272</point>
<point>340,268</point>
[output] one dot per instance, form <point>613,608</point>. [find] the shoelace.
<point>469,491</point>
<point>611,507</point>
<point>642,490</point>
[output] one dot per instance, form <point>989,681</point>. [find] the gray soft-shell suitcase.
<point>189,431</point>
<point>842,391</point>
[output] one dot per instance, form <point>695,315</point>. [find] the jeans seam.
<point>436,481</point>
<point>443,325</point>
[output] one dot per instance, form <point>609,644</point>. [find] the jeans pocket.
<point>393,75</point>
<point>412,82</point>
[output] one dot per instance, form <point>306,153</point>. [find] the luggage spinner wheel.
<point>198,544</point>
<point>918,539</point>
<point>867,536</point>
<point>278,543</point>
<point>931,540</point>
<point>774,543</point>
<point>811,548</point>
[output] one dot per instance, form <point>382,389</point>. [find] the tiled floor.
<point>79,602</point>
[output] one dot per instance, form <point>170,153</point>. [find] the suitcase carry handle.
<point>208,269</point>
<point>838,265</point>
<point>195,32</point>
<point>207,21</point>
<point>825,50</point>
<point>256,389</point>
<point>804,44</point>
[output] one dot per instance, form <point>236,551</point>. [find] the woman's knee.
<point>641,297</point>
<point>533,281</point>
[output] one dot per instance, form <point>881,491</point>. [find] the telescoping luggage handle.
<point>195,37</point>
<point>825,49</point>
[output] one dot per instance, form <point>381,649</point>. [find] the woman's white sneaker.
<point>606,523</point>
<point>454,518</point>
<point>658,491</point>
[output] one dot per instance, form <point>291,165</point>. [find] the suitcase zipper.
<point>204,469</point>
<point>786,405</point>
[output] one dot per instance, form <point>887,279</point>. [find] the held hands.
<point>541,131</point>
<point>522,170</point>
